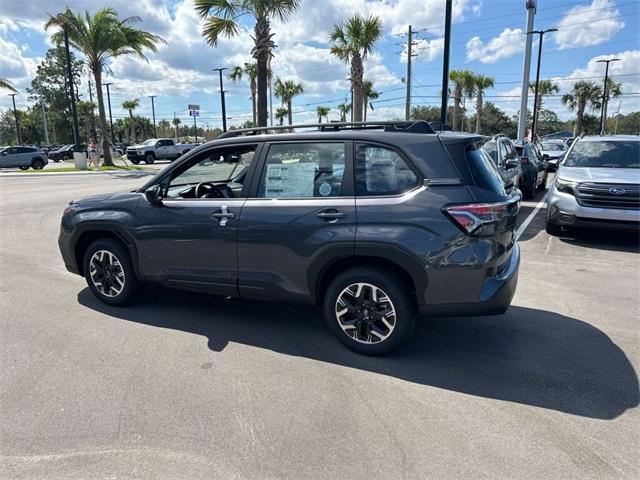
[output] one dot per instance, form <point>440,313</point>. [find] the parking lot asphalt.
<point>185,386</point>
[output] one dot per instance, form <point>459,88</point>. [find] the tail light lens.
<point>482,219</point>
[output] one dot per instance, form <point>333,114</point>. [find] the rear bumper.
<point>495,296</point>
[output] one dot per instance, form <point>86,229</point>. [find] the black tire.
<point>149,158</point>
<point>131,288</point>
<point>553,230</point>
<point>543,185</point>
<point>37,164</point>
<point>66,157</point>
<point>57,160</point>
<point>135,162</point>
<point>25,167</point>
<point>393,288</point>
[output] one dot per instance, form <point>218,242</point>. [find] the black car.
<point>504,156</point>
<point>534,169</point>
<point>371,222</point>
<point>66,152</point>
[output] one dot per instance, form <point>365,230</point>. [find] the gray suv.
<point>22,157</point>
<point>371,222</point>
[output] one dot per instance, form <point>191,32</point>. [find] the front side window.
<point>303,170</point>
<point>604,154</point>
<point>382,171</point>
<point>219,173</point>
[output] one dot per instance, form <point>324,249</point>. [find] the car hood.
<point>600,175</point>
<point>104,198</point>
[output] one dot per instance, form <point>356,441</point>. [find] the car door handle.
<point>331,215</point>
<point>223,215</point>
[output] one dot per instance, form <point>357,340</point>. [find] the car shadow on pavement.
<point>604,240</point>
<point>528,356</point>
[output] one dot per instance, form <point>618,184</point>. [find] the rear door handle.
<point>223,215</point>
<point>331,215</point>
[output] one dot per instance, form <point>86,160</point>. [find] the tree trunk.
<point>365,106</point>
<point>579,115</point>
<point>356,85</point>
<point>456,108</point>
<point>253,100</point>
<point>261,53</point>
<point>319,118</point>
<point>104,130</point>
<point>479,111</point>
<point>289,112</point>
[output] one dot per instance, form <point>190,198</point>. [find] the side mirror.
<point>512,163</point>
<point>545,156</point>
<point>552,165</point>
<point>153,195</point>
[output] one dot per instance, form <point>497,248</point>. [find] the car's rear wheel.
<point>37,164</point>
<point>66,157</point>
<point>369,310</point>
<point>149,158</point>
<point>109,272</point>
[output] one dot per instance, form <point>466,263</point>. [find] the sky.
<point>487,37</point>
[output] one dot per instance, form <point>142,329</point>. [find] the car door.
<point>301,212</point>
<point>8,158</point>
<point>161,149</point>
<point>190,240</point>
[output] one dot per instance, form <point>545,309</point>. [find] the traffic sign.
<point>194,113</point>
<point>193,107</point>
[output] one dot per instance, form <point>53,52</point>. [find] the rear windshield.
<point>553,147</point>
<point>485,172</point>
<point>604,154</point>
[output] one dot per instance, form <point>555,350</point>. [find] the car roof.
<point>610,138</point>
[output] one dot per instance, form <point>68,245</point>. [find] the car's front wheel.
<point>149,158</point>
<point>109,272</point>
<point>369,310</point>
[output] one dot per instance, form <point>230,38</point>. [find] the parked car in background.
<point>372,224</point>
<point>66,152</point>
<point>504,156</point>
<point>157,149</point>
<point>553,149</point>
<point>597,185</point>
<point>534,173</point>
<point>23,158</point>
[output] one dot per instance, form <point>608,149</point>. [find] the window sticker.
<point>290,180</point>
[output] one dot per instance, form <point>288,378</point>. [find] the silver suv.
<point>597,185</point>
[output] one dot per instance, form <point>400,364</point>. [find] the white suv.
<point>597,185</point>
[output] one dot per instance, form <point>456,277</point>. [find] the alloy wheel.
<point>365,313</point>
<point>107,274</point>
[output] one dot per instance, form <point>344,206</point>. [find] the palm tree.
<point>86,109</point>
<point>462,84</point>
<point>344,109</point>
<point>222,21</point>
<point>545,88</point>
<point>4,83</point>
<point>583,94</point>
<point>176,123</point>
<point>614,89</point>
<point>100,38</point>
<point>281,113</point>
<point>481,83</point>
<point>285,91</point>
<point>368,93</point>
<point>131,105</point>
<point>352,42</point>
<point>251,71</point>
<point>322,112</point>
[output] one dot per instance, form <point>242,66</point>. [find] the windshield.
<point>553,147</point>
<point>151,141</point>
<point>604,154</point>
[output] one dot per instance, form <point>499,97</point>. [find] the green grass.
<point>116,168</point>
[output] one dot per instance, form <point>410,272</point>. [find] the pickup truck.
<point>157,149</point>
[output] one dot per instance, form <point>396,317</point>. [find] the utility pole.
<point>15,113</point>
<point>195,127</point>
<point>74,112</point>
<point>535,91</point>
<point>175,125</point>
<point>44,122</point>
<point>407,107</point>
<point>526,68</point>
<point>110,117</point>
<point>615,132</point>
<point>605,93</point>
<point>153,113</point>
<point>224,110</point>
<point>445,62</point>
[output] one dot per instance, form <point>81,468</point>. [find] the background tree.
<point>251,71</point>
<point>85,109</point>
<point>584,94</point>
<point>344,109</point>
<point>164,128</point>
<point>221,19</point>
<point>6,84</point>
<point>462,82</point>
<point>323,112</point>
<point>352,41</point>
<point>130,106</point>
<point>176,125</point>
<point>285,91</point>
<point>368,94</point>
<point>280,114</point>
<point>614,90</point>
<point>480,84</point>
<point>100,38</point>
<point>545,88</point>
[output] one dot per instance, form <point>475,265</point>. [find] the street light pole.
<point>15,113</point>
<point>153,113</point>
<point>526,68</point>
<point>224,110</point>
<point>445,62</point>
<point>535,91</point>
<point>110,117</point>
<point>44,121</point>
<point>605,96</point>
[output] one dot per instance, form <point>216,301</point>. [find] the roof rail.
<point>438,125</point>
<point>418,126</point>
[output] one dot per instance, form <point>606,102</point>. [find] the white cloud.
<point>586,25</point>
<point>509,43</point>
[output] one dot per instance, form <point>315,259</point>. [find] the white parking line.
<point>531,216</point>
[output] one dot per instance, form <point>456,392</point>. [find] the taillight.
<point>482,219</point>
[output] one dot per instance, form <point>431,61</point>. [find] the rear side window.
<point>382,171</point>
<point>484,172</point>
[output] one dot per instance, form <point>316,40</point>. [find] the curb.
<point>140,173</point>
